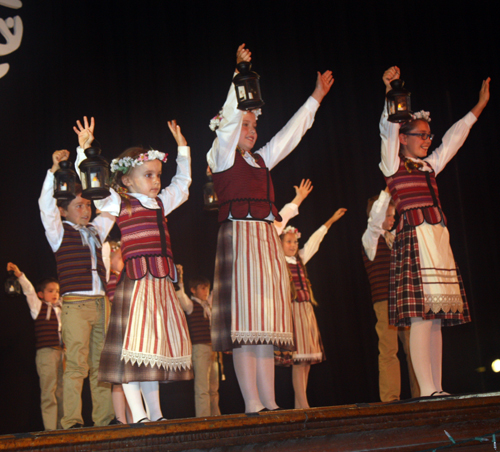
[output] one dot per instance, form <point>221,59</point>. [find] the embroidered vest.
<point>378,271</point>
<point>199,326</point>
<point>46,331</point>
<point>146,241</point>
<point>416,197</point>
<point>244,189</point>
<point>299,280</point>
<point>74,263</point>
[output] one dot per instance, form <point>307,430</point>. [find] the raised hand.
<point>57,157</point>
<point>180,274</point>
<point>484,97</point>
<point>323,84</point>
<point>243,54</point>
<point>391,74</point>
<point>302,191</point>
<point>85,133</point>
<point>176,132</point>
<point>336,216</point>
<point>14,268</point>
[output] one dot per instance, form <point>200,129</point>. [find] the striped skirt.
<point>308,344</point>
<point>425,281</point>
<point>251,299</point>
<point>148,338</point>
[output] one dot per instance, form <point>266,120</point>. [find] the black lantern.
<point>64,181</point>
<point>398,102</point>
<point>210,200</point>
<point>247,87</point>
<point>94,171</point>
<point>12,285</point>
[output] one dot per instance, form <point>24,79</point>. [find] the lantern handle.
<point>243,55</point>
<point>11,267</point>
<point>57,157</point>
<point>393,73</point>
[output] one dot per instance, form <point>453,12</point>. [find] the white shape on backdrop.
<point>12,31</point>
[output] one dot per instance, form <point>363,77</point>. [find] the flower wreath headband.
<point>291,230</point>
<point>217,119</point>
<point>425,115</point>
<point>126,163</point>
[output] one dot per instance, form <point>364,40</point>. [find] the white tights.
<point>122,410</point>
<point>254,367</point>
<point>135,391</point>
<point>300,375</point>
<point>426,351</point>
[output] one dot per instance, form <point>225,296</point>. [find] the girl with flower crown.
<point>148,340</point>
<point>308,345</point>
<point>251,308</point>
<point>426,289</point>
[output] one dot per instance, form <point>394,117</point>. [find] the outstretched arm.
<point>291,209</point>
<point>484,97</point>
<point>302,191</point>
<point>323,84</point>
<point>28,290</point>
<point>85,132</point>
<point>335,217</point>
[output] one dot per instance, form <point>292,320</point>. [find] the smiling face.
<point>248,134</point>
<point>144,179</point>
<point>50,293</point>
<point>413,146</point>
<point>78,211</point>
<point>290,244</point>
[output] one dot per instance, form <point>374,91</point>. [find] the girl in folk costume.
<point>426,289</point>
<point>251,302</point>
<point>308,345</point>
<point>148,339</point>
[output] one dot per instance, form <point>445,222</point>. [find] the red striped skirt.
<point>308,344</point>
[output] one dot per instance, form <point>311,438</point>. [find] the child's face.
<point>78,212</point>
<point>144,179</point>
<point>50,294</point>
<point>248,134</point>
<point>201,291</point>
<point>415,147</point>
<point>389,218</point>
<point>290,244</point>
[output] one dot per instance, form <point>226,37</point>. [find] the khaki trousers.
<point>50,366</point>
<point>83,334</point>
<point>388,362</point>
<point>206,381</point>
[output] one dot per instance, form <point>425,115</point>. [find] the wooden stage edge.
<point>409,426</point>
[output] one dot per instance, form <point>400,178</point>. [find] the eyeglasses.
<point>422,135</point>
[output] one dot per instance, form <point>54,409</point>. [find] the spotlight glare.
<point>495,365</point>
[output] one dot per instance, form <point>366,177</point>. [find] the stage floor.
<point>414,425</point>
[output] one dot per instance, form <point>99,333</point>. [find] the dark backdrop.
<point>134,65</point>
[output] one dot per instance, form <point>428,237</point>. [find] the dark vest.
<point>299,280</point>
<point>46,331</point>
<point>416,196</point>
<point>74,263</point>
<point>111,287</point>
<point>146,241</point>
<point>244,189</point>
<point>199,326</point>
<point>378,271</point>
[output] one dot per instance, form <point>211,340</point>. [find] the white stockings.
<point>135,391</point>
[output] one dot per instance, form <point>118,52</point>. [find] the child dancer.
<point>308,345</point>
<point>148,340</point>
<point>251,311</point>
<point>45,308</point>
<point>426,289</point>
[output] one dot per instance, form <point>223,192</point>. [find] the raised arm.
<point>34,302</point>
<point>184,300</point>
<point>85,132</point>
<point>291,209</point>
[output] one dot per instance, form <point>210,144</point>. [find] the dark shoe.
<point>115,421</point>
<point>161,419</point>
<point>143,420</point>
<point>77,425</point>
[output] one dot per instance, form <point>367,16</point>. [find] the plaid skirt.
<point>308,344</point>
<point>171,350</point>
<point>251,298</point>
<point>407,296</point>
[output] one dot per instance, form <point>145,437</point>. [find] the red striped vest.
<point>244,189</point>
<point>111,287</point>
<point>416,197</point>
<point>74,264</point>
<point>199,326</point>
<point>299,280</point>
<point>46,331</point>
<point>378,271</point>
<point>146,241</point>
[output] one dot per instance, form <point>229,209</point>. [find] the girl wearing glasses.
<point>426,289</point>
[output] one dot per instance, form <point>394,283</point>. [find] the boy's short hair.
<point>41,285</point>
<point>64,203</point>
<point>372,200</point>
<point>196,281</point>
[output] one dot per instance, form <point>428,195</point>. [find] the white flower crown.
<point>422,115</point>
<point>125,163</point>
<point>291,230</point>
<point>216,120</point>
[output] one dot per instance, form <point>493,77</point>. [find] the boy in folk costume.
<point>426,289</point>
<point>252,304</point>
<point>45,308</point>
<point>377,244</point>
<point>76,243</point>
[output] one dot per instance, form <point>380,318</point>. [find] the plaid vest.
<point>416,197</point>
<point>299,280</point>
<point>46,331</point>
<point>74,263</point>
<point>244,189</point>
<point>145,241</point>
<point>378,271</point>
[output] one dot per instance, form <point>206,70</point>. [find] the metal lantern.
<point>247,87</point>
<point>398,102</point>
<point>210,200</point>
<point>64,181</point>
<point>12,285</point>
<point>94,173</point>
